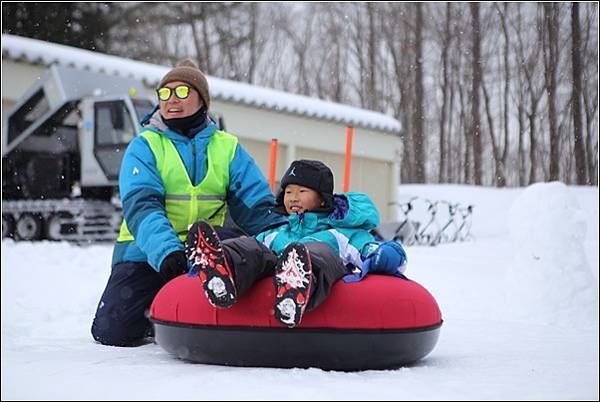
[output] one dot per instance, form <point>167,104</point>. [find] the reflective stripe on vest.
<point>186,203</point>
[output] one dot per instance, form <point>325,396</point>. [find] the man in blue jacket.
<point>179,170</point>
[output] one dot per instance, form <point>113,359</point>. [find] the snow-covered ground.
<point>519,302</point>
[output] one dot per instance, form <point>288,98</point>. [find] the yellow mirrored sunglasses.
<point>181,91</point>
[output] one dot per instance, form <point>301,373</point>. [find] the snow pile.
<point>549,280</point>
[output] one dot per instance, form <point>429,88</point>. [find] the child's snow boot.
<point>293,282</point>
<point>204,249</point>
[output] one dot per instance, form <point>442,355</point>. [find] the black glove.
<point>173,265</point>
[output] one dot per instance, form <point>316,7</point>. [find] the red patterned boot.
<point>204,250</point>
<point>293,282</point>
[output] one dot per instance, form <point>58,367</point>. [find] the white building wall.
<point>299,137</point>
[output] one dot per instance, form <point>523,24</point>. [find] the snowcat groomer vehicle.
<point>65,139</point>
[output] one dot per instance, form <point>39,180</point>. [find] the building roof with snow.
<point>44,53</point>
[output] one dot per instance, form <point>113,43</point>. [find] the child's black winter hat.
<point>312,174</point>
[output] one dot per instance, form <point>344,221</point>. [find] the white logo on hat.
<point>136,170</point>
<point>293,172</point>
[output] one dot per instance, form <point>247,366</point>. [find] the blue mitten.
<point>389,258</point>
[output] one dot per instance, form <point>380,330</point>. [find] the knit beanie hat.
<point>312,174</point>
<point>187,71</point>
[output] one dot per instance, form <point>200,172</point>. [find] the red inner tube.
<point>381,322</point>
<point>376,302</point>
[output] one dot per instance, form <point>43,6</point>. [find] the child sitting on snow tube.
<point>326,238</point>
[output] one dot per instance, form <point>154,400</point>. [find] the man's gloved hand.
<point>173,265</point>
<point>389,258</point>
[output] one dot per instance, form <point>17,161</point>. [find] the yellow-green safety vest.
<point>186,203</point>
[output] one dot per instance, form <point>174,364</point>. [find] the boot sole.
<point>206,253</point>
<point>293,284</point>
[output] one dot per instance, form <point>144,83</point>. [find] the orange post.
<point>348,159</point>
<point>273,163</point>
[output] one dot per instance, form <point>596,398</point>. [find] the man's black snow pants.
<point>121,316</point>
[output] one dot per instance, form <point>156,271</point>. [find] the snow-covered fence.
<point>426,222</point>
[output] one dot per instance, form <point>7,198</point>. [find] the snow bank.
<point>549,280</point>
<point>50,292</point>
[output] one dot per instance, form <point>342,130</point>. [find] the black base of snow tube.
<point>328,349</point>
<point>381,322</point>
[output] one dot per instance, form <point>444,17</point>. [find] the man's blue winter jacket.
<point>249,197</point>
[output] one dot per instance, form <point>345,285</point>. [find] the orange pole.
<point>348,159</point>
<point>273,164</point>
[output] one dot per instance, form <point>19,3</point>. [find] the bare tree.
<point>501,178</point>
<point>550,47</point>
<point>521,116</point>
<point>528,52</point>
<point>475,128</point>
<point>223,38</point>
<point>383,56</point>
<point>398,39</point>
<point>589,55</point>
<point>419,116</point>
<point>590,89</point>
<point>256,43</point>
<point>365,37</point>
<point>445,42</point>
<point>197,20</point>
<point>460,149</point>
<point>371,65</point>
<point>580,164</point>
<point>276,67</point>
<point>332,73</point>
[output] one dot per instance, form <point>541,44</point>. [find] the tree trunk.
<point>419,117</point>
<point>452,154</point>
<point>372,96</point>
<point>445,87</point>
<point>499,176</point>
<point>255,48</point>
<point>532,147</point>
<point>550,61</point>
<point>580,163</point>
<point>475,131</point>
<point>507,79</point>
<point>520,149</point>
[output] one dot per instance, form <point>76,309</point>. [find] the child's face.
<point>298,199</point>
